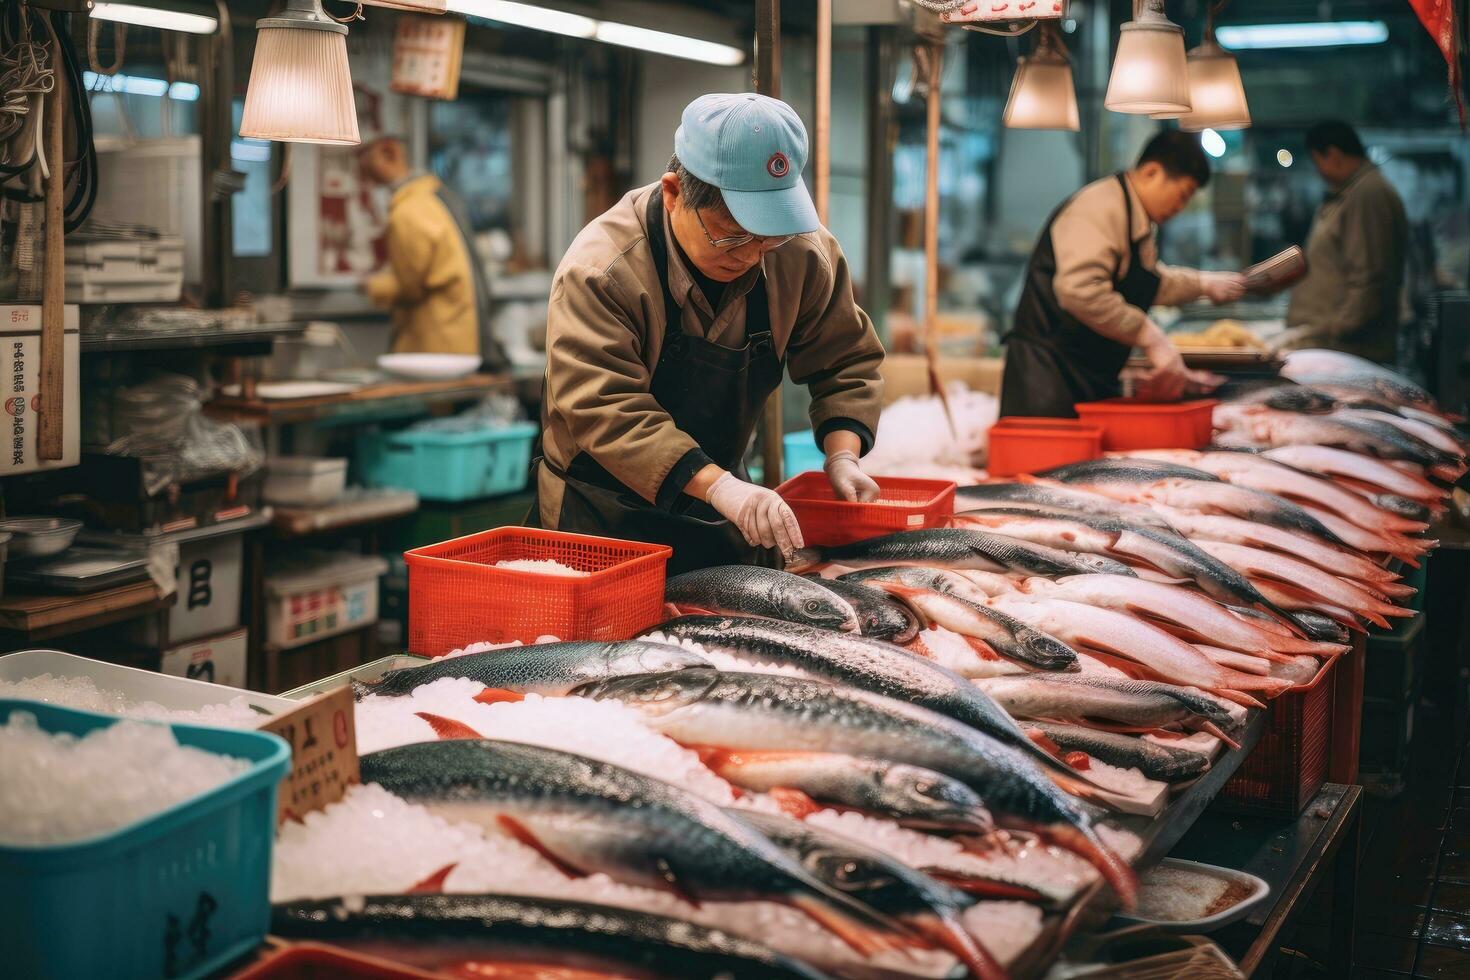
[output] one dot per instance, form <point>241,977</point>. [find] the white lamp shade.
<point>1150,76</point>
<point>300,88</point>
<point>1042,96</point>
<point>1215,91</point>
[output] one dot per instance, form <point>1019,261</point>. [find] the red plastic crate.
<point>1289,764</point>
<point>314,961</point>
<point>456,595</point>
<point>1131,424</point>
<point>1030,445</point>
<point>827,521</point>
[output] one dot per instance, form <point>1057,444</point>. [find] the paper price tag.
<point>323,740</point>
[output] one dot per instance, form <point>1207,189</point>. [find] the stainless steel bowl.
<point>37,537</point>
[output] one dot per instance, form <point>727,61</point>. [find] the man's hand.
<point>1201,383</point>
<point>760,514</point>
<point>848,481</point>
<point>1168,377</point>
<point>1222,287</point>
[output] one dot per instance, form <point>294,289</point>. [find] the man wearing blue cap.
<point>672,318</point>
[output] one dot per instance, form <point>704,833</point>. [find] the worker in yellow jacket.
<point>434,283</point>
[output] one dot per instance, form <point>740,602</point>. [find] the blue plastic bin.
<point>178,895</point>
<point>449,465</point>
<point>800,453</point>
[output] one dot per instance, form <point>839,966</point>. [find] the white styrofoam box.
<point>328,594</point>
<point>216,660</point>
<point>20,331</point>
<point>177,693</point>
<point>208,578</point>
<point>155,183</point>
<point>304,481</point>
<point>1010,10</point>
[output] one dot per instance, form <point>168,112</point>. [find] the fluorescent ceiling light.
<point>527,15</point>
<point>1313,34</point>
<point>167,20</point>
<point>675,45</point>
<point>140,85</point>
<point>1213,143</point>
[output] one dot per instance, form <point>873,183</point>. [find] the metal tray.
<point>1259,890</point>
<point>81,569</point>
<point>366,672</point>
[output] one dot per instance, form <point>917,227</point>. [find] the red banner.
<point>1438,18</point>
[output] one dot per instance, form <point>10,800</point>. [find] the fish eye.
<point>813,605</point>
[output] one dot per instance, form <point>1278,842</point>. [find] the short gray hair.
<point>696,193</point>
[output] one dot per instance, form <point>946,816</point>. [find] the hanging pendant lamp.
<point>300,87</point>
<point>1215,89</point>
<point>1042,93</point>
<point>1150,75</point>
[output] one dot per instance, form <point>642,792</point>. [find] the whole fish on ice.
<point>1125,751</point>
<point>880,615</point>
<point>748,590</point>
<point>955,549</point>
<point>1117,701</point>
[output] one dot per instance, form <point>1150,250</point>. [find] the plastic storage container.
<point>800,453</point>
<point>1131,424</point>
<point>1030,445</point>
<point>322,595</point>
<point>312,961</point>
<point>449,465</point>
<point>1289,764</point>
<point>457,597</point>
<point>177,895</point>
<point>304,481</point>
<point>827,521</point>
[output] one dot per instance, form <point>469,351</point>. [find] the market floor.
<point>1413,914</point>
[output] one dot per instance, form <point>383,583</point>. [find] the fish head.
<point>1046,649</point>
<point>654,695</point>
<point>866,880</point>
<point>625,659</point>
<point>816,606</point>
<point>947,802</point>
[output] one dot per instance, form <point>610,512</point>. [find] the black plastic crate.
<point>1394,662</point>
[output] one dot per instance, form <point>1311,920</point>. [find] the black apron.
<point>1054,360</point>
<point>714,394</point>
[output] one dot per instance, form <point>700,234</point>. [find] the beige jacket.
<point>1090,241</point>
<point>605,330</point>
<point>428,284</point>
<point>1355,269</point>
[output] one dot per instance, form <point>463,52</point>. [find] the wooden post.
<point>768,82</point>
<point>934,65</point>
<point>50,423</point>
<point>822,145</point>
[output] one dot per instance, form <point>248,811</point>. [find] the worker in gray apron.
<point>672,318</point>
<point>1092,278</point>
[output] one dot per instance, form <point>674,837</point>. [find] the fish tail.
<point>498,695</point>
<point>863,931</point>
<point>434,883</point>
<point>1236,697</point>
<point>991,888</point>
<point>448,727</point>
<point>916,646</point>
<point>1211,728</point>
<point>1085,843</point>
<point>946,932</point>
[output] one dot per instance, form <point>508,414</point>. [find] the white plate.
<point>430,367</point>
<point>1259,890</point>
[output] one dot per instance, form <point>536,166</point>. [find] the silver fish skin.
<point>593,816</point>
<point>870,665</point>
<point>954,548</point>
<point>934,579</point>
<point>430,931</point>
<point>774,712</point>
<point>880,615</point>
<point>1111,469</point>
<point>748,590</point>
<point>908,795</point>
<point>1254,426</point>
<point>1053,498</point>
<point>549,669</point>
<point>1126,751</point>
<point>1122,701</point>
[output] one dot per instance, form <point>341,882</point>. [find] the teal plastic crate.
<point>800,454</point>
<point>449,465</point>
<point>178,895</point>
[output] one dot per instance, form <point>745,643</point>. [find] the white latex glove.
<point>1168,377</point>
<point>760,514</point>
<point>848,481</point>
<point>1222,287</point>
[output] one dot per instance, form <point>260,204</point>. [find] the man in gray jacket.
<point>1350,298</point>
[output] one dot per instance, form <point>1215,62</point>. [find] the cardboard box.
<point>218,660</point>
<point>20,331</point>
<point>908,374</point>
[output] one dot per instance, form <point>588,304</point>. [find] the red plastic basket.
<point>313,961</point>
<point>1131,424</point>
<point>827,521</point>
<point>456,595</point>
<point>1289,764</point>
<point>1030,445</point>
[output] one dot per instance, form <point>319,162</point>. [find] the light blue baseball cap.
<point>753,148</point>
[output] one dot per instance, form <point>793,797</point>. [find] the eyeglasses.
<point>733,242</point>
